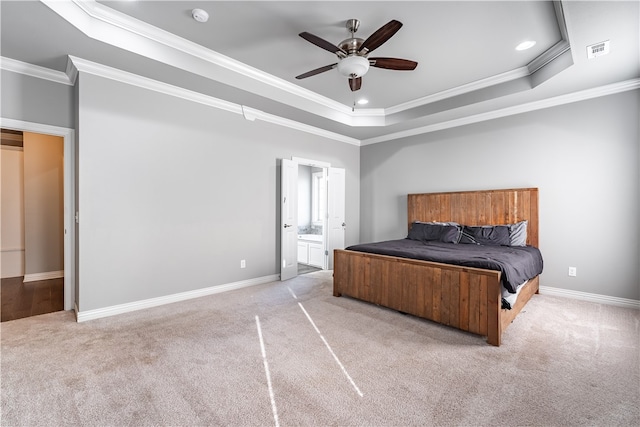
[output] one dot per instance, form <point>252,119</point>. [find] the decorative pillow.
<point>425,232</point>
<point>496,235</point>
<point>518,234</point>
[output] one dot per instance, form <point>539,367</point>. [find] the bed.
<point>463,297</point>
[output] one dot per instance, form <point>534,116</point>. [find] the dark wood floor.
<point>30,299</point>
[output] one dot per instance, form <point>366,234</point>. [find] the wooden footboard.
<point>464,298</point>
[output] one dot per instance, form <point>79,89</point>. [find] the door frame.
<point>68,136</point>
<point>325,171</point>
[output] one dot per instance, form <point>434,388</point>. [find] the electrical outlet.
<point>572,271</point>
<point>243,263</point>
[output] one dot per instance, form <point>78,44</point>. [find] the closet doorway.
<point>32,224</point>
<point>56,259</point>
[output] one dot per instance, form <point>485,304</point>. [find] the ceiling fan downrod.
<point>352,44</point>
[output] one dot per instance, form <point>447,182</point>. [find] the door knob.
<point>288,225</point>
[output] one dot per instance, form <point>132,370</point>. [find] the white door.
<point>336,212</point>
<point>289,220</point>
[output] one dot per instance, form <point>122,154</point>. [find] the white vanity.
<point>310,249</point>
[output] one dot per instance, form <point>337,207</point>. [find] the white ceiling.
<point>249,53</point>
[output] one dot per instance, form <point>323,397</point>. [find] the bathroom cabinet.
<point>310,253</point>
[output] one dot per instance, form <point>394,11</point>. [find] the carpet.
<point>289,353</point>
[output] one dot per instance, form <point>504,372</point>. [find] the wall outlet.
<point>572,271</point>
<point>243,263</point>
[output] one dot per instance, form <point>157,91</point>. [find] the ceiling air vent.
<point>598,49</point>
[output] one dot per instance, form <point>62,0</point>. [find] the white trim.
<point>550,55</point>
<point>35,277</point>
<point>585,296</point>
<point>36,71</point>
<point>583,95</point>
<point>121,76</point>
<point>460,90</point>
<point>123,31</point>
<point>83,316</point>
<point>76,64</point>
<point>69,193</point>
<point>559,48</point>
<point>310,162</point>
<point>82,65</point>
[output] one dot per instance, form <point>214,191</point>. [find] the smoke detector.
<point>200,15</point>
<point>598,49</point>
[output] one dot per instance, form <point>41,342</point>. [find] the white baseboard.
<point>82,316</point>
<point>43,276</point>
<point>585,296</point>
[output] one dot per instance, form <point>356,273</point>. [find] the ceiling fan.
<point>353,53</point>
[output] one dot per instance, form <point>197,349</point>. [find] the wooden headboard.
<point>488,207</point>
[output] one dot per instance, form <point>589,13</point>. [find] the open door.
<point>336,211</point>
<point>289,220</point>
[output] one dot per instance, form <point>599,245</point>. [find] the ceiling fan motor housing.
<point>351,45</point>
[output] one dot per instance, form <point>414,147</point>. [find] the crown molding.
<point>83,65</point>
<point>78,65</point>
<point>118,29</point>
<point>25,68</point>
<point>559,48</point>
<point>460,90</point>
<point>75,65</point>
<point>583,95</point>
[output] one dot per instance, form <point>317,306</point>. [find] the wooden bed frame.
<point>465,298</point>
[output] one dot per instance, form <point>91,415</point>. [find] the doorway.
<point>312,212</point>
<point>69,212</point>
<point>312,215</point>
<point>32,224</point>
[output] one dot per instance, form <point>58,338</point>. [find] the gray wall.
<point>36,100</point>
<point>173,194</point>
<point>583,157</point>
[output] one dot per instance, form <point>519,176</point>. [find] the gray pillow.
<point>518,233</point>
<point>426,232</point>
<point>494,235</point>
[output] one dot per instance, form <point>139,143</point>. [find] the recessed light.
<point>363,101</point>
<point>526,45</point>
<point>200,15</point>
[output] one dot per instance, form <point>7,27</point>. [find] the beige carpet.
<point>291,354</point>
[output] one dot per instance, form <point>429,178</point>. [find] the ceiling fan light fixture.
<point>353,66</point>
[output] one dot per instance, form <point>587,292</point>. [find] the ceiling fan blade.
<point>393,63</point>
<point>321,43</point>
<point>355,84</point>
<point>383,34</point>
<point>317,71</point>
